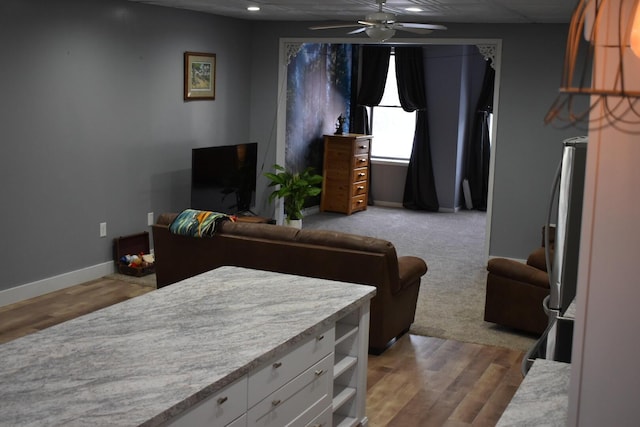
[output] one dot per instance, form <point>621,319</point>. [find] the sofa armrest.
<point>538,259</point>
<point>518,271</point>
<point>410,270</point>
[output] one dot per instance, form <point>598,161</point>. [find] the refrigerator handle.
<point>554,190</point>
<point>534,352</point>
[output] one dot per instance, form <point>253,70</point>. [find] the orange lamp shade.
<point>635,31</point>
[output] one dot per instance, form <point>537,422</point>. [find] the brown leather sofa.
<point>515,292</point>
<point>312,253</point>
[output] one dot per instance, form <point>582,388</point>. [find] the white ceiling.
<point>438,11</point>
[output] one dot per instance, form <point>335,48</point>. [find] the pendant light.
<point>601,75</point>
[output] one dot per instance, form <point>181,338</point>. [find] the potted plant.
<point>294,188</point>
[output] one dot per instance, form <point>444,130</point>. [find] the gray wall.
<point>94,128</point>
<point>454,75</point>
<point>443,73</point>
<point>387,183</point>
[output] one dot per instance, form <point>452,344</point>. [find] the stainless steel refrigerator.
<point>565,214</point>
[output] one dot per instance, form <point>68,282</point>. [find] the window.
<point>391,126</point>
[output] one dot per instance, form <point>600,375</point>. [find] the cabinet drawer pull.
<point>221,400</point>
<point>276,402</point>
<point>360,202</point>
<point>320,338</point>
<point>360,187</point>
<point>319,372</point>
<point>363,160</point>
<point>361,174</point>
<point>277,365</point>
<point>363,147</point>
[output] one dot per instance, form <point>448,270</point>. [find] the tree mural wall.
<point>318,91</point>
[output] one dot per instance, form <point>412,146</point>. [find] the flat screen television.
<point>223,178</point>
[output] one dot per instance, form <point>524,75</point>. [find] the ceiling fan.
<point>381,26</point>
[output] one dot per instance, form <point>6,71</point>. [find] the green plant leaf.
<point>294,188</point>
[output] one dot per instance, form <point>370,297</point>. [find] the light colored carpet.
<point>451,300</point>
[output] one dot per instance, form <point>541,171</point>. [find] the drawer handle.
<point>221,400</point>
<point>360,187</point>
<point>277,365</point>
<point>276,402</point>
<point>320,338</point>
<point>360,202</point>
<point>319,372</point>
<point>361,174</point>
<point>363,160</point>
<point>363,147</point>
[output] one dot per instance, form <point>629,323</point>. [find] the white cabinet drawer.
<point>325,419</point>
<point>303,392</point>
<point>321,410</point>
<point>274,375</point>
<point>240,422</point>
<point>217,410</point>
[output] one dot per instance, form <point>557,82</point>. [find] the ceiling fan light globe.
<point>380,34</point>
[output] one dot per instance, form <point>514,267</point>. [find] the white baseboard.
<point>387,204</point>
<point>310,210</point>
<point>55,283</point>
<point>449,210</point>
<point>400,205</point>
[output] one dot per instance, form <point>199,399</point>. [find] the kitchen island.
<point>171,355</point>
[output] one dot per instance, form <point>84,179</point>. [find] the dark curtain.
<point>419,189</point>
<point>479,148</point>
<point>373,77</point>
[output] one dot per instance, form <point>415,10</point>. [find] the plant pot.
<point>295,223</point>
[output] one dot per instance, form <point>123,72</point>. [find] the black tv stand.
<point>248,216</point>
<point>248,212</point>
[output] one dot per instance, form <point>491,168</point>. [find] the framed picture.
<point>199,76</point>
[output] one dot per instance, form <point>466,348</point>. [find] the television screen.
<point>223,179</point>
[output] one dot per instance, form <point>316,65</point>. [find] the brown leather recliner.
<point>515,292</point>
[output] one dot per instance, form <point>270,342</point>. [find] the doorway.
<point>490,48</point>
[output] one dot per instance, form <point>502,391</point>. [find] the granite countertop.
<point>145,359</point>
<point>542,398</point>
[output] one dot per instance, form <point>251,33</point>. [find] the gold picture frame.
<point>199,76</point>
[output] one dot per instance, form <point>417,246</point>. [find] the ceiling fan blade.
<point>328,27</point>
<point>359,30</point>
<point>417,25</point>
<point>413,30</point>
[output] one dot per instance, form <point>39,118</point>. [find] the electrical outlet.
<point>150,218</point>
<point>103,229</point>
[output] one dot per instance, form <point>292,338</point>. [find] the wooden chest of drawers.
<point>346,173</point>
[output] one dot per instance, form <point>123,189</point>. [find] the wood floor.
<point>419,381</point>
